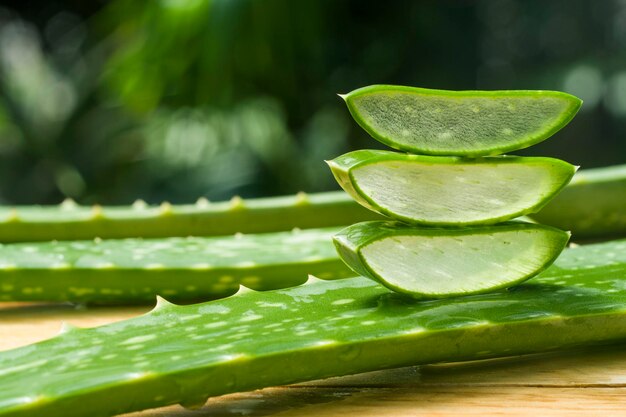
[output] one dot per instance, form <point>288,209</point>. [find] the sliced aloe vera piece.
<point>437,263</point>
<point>464,123</point>
<point>183,269</point>
<point>450,191</point>
<point>184,354</point>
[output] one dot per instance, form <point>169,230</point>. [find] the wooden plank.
<point>427,401</point>
<point>25,323</point>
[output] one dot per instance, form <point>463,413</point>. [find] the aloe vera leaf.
<point>437,262</point>
<point>593,205</point>
<point>450,191</point>
<point>183,269</point>
<point>69,221</point>
<point>463,123</point>
<point>184,354</point>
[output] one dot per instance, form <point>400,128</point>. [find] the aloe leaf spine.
<point>182,269</point>
<point>184,354</point>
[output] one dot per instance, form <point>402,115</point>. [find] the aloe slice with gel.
<point>463,123</point>
<point>450,191</point>
<point>439,263</point>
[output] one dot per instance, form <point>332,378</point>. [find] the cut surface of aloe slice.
<point>437,263</point>
<point>466,123</point>
<point>450,191</point>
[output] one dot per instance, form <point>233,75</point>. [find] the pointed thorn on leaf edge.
<point>243,290</point>
<point>68,204</point>
<point>312,279</point>
<point>162,303</point>
<point>67,327</point>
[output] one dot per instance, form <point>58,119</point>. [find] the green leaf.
<point>184,354</point>
<point>450,191</point>
<point>464,123</point>
<point>183,269</point>
<point>593,205</point>
<point>69,221</point>
<point>590,207</point>
<point>438,263</point>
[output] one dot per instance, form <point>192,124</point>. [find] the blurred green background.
<point>176,99</point>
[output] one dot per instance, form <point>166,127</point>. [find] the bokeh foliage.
<point>176,99</point>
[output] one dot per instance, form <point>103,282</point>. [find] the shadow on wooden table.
<point>586,382</point>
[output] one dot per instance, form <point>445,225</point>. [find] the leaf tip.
<point>331,164</point>
<point>344,97</point>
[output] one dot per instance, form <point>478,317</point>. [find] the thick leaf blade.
<point>323,328</point>
<point>182,269</point>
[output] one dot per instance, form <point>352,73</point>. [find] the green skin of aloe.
<point>184,354</point>
<point>182,269</point>
<point>592,205</point>
<point>69,221</point>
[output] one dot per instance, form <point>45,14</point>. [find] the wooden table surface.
<point>589,382</point>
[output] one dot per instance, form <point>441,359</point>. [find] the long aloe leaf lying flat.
<point>69,221</point>
<point>450,191</point>
<point>185,269</point>
<point>183,354</point>
<point>592,205</point>
<point>437,263</point>
<point>464,123</point>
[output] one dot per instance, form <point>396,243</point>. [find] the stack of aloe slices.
<point>453,207</point>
